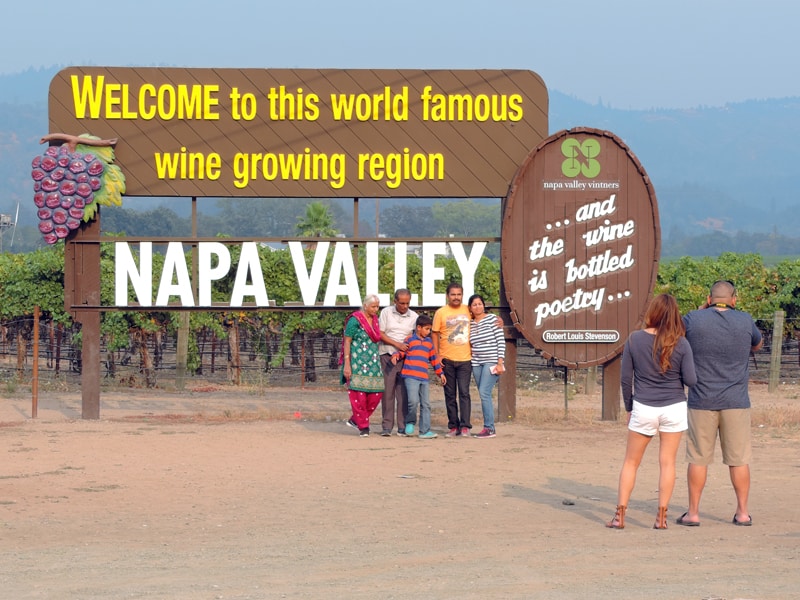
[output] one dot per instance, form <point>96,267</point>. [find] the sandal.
<point>618,522</point>
<point>661,519</point>
<point>682,521</point>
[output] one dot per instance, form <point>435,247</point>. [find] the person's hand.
<point>347,372</point>
<point>394,359</point>
<point>443,379</point>
<point>402,346</point>
<point>500,368</point>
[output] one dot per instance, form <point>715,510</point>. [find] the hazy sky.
<point>625,53</point>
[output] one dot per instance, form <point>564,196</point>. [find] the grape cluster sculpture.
<point>71,180</point>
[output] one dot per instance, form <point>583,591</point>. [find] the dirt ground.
<point>214,494</point>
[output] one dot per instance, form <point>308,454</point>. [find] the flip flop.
<point>747,523</point>
<point>681,521</point>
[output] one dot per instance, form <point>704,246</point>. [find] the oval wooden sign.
<point>580,246</point>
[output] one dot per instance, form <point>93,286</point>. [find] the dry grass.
<point>544,404</point>
<point>776,416</point>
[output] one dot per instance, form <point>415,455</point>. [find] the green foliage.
<point>689,279</point>
<point>264,217</point>
<point>28,280</point>
<point>409,221</point>
<point>465,218</point>
<point>159,222</point>
<point>37,278</point>
<point>317,222</point>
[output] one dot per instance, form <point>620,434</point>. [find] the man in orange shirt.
<point>450,334</point>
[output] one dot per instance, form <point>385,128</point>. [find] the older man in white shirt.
<point>396,323</point>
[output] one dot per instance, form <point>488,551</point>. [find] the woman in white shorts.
<point>657,363</point>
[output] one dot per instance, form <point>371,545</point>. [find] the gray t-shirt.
<point>721,341</point>
<point>642,379</point>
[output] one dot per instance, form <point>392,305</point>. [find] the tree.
<point>409,221</point>
<point>158,222</point>
<point>316,223</point>
<point>465,218</point>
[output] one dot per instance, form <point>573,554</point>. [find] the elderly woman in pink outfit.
<point>361,364</point>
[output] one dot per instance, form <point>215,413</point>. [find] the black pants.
<point>458,376</point>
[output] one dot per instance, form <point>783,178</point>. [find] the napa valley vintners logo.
<point>581,161</point>
<point>581,158</point>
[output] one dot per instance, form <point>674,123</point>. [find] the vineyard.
<point>265,359</point>
<point>300,348</point>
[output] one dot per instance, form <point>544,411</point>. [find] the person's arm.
<point>401,346</point>
<point>433,358</point>
<point>401,353</point>
<point>501,350</point>
<point>346,370</point>
<point>757,336</point>
<point>390,342</point>
<point>688,372</point>
<point>626,378</point>
<point>383,324</point>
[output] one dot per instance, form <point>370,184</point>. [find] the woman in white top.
<point>488,351</point>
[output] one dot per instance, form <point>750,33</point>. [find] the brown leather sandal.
<point>618,522</point>
<point>661,519</point>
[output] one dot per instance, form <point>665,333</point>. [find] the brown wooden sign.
<point>581,242</point>
<point>307,133</point>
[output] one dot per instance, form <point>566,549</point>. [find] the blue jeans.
<point>418,395</point>
<point>485,381</point>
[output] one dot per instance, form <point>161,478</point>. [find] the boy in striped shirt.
<point>419,357</point>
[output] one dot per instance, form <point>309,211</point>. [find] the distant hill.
<point>714,169</point>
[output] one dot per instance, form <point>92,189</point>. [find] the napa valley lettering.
<point>133,276</point>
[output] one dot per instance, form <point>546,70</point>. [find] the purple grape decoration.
<point>66,178</point>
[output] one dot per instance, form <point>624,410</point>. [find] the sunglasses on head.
<point>733,293</point>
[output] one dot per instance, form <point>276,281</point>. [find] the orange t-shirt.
<point>452,324</point>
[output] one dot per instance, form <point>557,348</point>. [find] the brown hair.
<point>664,316</point>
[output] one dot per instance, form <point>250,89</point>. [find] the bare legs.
<point>740,478</point>
<point>696,478</point>
<point>634,451</point>
<point>667,456</point>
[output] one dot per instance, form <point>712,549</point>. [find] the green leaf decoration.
<point>110,194</point>
<point>89,211</point>
<point>104,153</point>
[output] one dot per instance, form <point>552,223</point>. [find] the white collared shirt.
<point>396,326</point>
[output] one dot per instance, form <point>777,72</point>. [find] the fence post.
<point>35,377</point>
<point>775,359</point>
<point>182,350</point>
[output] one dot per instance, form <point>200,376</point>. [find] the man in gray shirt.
<point>722,339</point>
<point>396,324</point>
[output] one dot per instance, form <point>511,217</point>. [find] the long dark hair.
<point>664,316</point>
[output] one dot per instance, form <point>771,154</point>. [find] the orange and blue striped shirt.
<point>419,356</point>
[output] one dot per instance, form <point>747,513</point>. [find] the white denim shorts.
<point>649,420</point>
